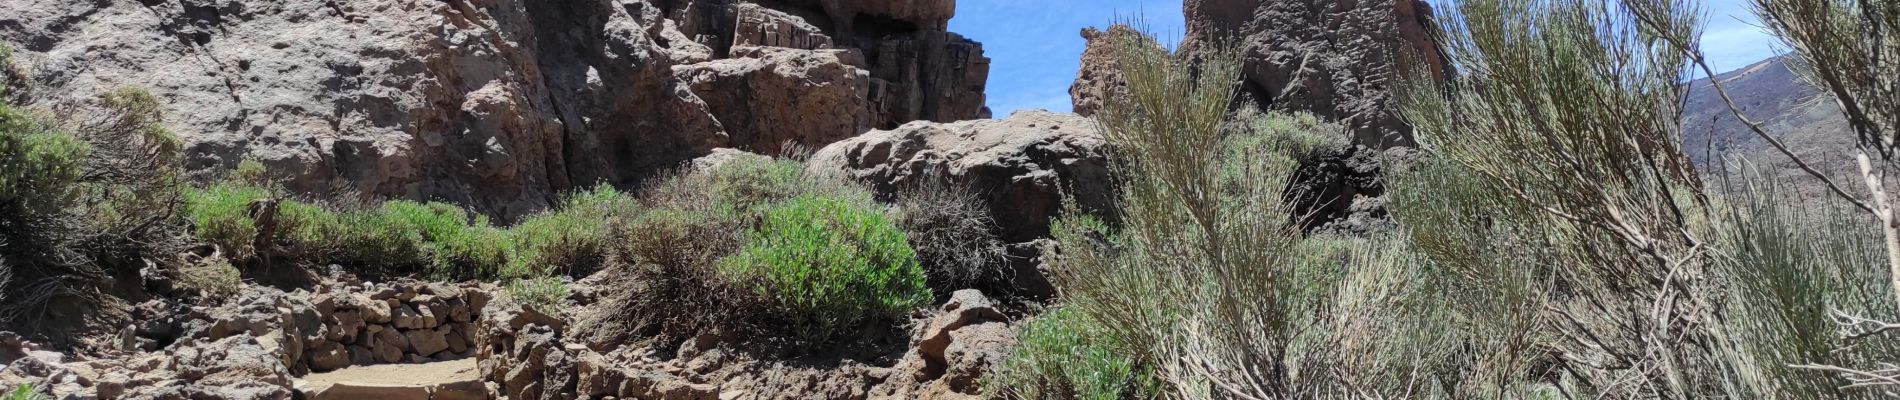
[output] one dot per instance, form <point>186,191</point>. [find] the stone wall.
<point>256,344</point>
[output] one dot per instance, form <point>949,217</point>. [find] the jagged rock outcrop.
<point>500,104</point>
<point>1022,165</point>
<point>1342,60</point>
<point>1099,78</point>
<point>1339,59</point>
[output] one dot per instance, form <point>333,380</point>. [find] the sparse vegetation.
<point>23,392</point>
<point>1062,357</point>
<point>544,293</point>
<point>954,236</point>
<point>86,191</point>
<point>213,278</point>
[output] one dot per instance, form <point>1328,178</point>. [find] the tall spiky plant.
<point>1850,50</point>
<point>1567,113</point>
<point>1207,283</point>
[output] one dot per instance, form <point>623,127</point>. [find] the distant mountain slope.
<point>1798,115</point>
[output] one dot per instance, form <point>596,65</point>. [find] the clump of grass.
<point>221,215</point>
<point>826,263</point>
<point>212,278</point>
<point>566,242</point>
<point>543,293</point>
<point>23,392</point>
<point>1061,356</point>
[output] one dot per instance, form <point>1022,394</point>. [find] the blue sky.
<point>1035,45</point>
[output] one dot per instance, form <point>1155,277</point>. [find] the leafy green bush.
<point>1060,357</point>
<point>221,215</point>
<point>565,243</point>
<point>825,263</point>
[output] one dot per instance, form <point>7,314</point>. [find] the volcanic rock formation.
<point>1341,60</point>
<point>501,104</point>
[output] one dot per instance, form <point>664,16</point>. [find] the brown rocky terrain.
<point>1797,114</point>
<point>502,104</point>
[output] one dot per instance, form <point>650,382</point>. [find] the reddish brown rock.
<point>1099,76</point>
<point>770,96</point>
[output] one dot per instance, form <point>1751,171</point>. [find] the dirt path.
<point>448,380</point>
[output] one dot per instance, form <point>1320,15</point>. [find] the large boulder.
<point>1023,166</point>
<point>772,96</point>
<point>498,104</point>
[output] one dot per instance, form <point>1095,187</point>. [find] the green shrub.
<point>86,191</point>
<point>543,293</point>
<point>212,278</point>
<point>826,263</point>
<point>23,392</point>
<point>559,243</point>
<point>221,215</point>
<point>1060,357</point>
<point>364,239</point>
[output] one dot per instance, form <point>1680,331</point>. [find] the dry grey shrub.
<point>954,236</point>
<point>669,288</point>
<point>1579,247</point>
<point>1845,49</point>
<point>1566,116</point>
<point>1209,286</point>
<point>102,202</point>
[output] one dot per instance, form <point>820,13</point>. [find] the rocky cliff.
<point>502,104</point>
<point>1341,60</point>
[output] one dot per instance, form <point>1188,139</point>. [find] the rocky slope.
<point>1800,116</point>
<point>502,104</point>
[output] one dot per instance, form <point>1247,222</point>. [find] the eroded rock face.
<point>776,95</point>
<point>501,104</point>
<point>1342,60</point>
<point>1099,77</point>
<point>1339,59</point>
<point>1022,165</point>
